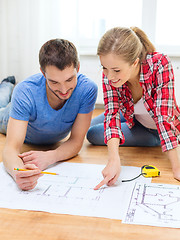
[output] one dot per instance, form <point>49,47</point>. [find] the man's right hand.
<point>27,180</point>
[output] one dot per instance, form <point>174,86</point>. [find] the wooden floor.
<point>26,225</point>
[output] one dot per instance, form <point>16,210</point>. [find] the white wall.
<point>176,67</point>
<point>91,67</point>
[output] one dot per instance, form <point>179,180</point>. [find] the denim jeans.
<point>6,89</point>
<point>136,136</point>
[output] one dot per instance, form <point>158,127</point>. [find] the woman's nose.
<point>110,76</point>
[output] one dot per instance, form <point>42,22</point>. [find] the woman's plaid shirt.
<point>157,81</point>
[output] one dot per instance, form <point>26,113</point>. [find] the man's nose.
<point>63,89</point>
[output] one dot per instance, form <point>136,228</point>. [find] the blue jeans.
<point>6,89</point>
<point>136,136</point>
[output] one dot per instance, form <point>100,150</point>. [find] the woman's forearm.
<point>174,158</point>
<point>175,162</point>
<point>113,149</point>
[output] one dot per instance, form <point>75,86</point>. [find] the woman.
<point>140,106</point>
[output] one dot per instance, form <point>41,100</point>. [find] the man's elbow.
<point>77,145</point>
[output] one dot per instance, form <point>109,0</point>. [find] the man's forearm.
<point>67,150</point>
<point>11,160</point>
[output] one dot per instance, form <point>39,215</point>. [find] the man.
<point>45,108</point>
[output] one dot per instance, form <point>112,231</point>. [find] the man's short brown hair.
<point>58,52</point>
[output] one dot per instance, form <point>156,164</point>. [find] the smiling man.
<point>44,109</point>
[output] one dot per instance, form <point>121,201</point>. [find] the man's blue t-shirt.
<point>46,125</point>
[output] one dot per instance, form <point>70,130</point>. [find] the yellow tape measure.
<point>146,171</point>
<point>150,171</point>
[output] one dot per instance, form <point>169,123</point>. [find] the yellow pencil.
<point>20,169</point>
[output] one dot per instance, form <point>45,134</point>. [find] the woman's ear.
<point>136,62</point>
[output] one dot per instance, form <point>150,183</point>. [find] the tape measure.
<point>150,171</point>
<point>146,171</point>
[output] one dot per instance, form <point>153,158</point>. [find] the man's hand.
<point>27,180</point>
<point>42,159</point>
<point>110,173</point>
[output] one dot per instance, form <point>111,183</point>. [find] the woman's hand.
<point>110,173</point>
<point>175,162</point>
<point>176,174</point>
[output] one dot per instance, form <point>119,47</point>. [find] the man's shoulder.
<point>85,82</point>
<point>35,80</point>
<point>30,84</point>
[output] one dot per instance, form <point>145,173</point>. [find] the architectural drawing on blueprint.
<point>63,188</point>
<point>70,192</point>
<point>155,205</point>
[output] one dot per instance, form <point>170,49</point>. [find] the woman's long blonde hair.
<point>129,43</point>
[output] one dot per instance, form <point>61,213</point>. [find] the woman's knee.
<point>98,120</point>
<point>95,134</point>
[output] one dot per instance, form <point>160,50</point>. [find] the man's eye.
<point>117,70</point>
<point>69,80</point>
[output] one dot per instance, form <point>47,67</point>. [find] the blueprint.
<point>154,204</point>
<point>71,192</point>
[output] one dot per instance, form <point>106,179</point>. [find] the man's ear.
<point>78,67</point>
<point>42,72</point>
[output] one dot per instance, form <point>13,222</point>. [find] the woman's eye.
<point>117,70</point>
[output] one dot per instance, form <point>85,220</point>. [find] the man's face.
<point>61,83</point>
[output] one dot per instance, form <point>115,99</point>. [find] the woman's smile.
<point>115,81</point>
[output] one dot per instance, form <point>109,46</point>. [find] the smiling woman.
<point>140,105</point>
<point>118,71</point>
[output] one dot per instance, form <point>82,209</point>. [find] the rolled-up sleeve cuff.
<point>113,133</point>
<point>168,133</point>
<point>168,145</point>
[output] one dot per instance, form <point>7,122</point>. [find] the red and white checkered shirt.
<point>157,81</point>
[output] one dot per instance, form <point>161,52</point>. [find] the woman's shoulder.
<point>156,58</point>
<point>155,61</point>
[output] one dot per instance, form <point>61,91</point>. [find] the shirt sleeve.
<point>88,97</point>
<point>164,105</point>
<point>112,121</point>
<point>21,103</point>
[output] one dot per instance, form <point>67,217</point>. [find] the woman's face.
<point>117,70</point>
